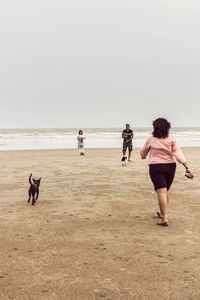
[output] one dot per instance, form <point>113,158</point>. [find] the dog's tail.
<point>30,178</point>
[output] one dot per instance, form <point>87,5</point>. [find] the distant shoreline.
<point>66,138</point>
<point>87,149</point>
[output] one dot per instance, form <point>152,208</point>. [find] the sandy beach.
<point>92,233</point>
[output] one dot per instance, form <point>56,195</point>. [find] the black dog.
<point>34,189</point>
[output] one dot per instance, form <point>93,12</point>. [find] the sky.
<point>99,63</point>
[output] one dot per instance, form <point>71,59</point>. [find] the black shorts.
<point>162,175</point>
<point>128,145</point>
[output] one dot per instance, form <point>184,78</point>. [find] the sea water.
<point>66,138</point>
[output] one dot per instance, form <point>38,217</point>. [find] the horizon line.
<point>108,127</point>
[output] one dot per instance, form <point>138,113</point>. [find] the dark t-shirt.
<point>127,135</point>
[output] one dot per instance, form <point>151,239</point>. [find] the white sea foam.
<point>21,139</point>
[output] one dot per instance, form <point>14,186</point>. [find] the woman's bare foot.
<point>159,215</point>
<point>163,223</point>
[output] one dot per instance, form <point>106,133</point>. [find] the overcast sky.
<point>99,63</point>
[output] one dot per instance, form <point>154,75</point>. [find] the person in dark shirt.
<point>127,136</point>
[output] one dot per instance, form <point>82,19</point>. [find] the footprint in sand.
<point>117,257</point>
<point>100,294</point>
<point>138,217</point>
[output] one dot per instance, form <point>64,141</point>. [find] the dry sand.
<point>91,234</point>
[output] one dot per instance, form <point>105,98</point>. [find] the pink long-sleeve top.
<point>162,150</point>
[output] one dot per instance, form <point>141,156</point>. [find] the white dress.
<point>80,139</point>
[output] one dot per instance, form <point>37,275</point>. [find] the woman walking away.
<point>81,139</point>
<point>163,152</point>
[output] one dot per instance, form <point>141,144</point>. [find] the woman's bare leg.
<point>163,203</point>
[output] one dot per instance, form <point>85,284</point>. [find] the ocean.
<point>65,138</point>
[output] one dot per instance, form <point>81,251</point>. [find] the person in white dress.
<point>81,139</point>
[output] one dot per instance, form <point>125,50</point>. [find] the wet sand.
<point>92,234</point>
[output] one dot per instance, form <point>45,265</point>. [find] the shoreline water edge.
<point>64,138</point>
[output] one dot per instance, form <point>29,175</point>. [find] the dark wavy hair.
<point>161,128</point>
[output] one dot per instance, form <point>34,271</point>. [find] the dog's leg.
<point>33,199</point>
<point>37,194</point>
<point>29,197</point>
